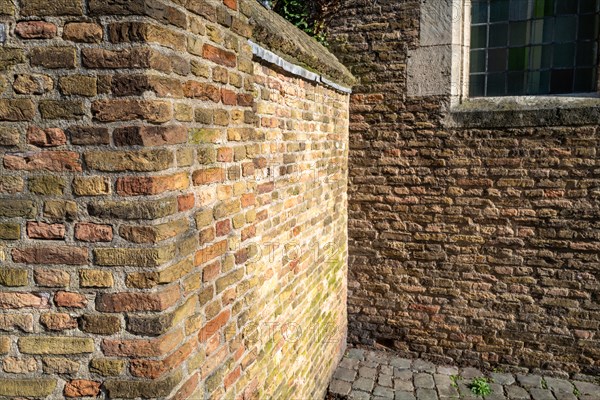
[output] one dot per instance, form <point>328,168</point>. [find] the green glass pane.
<point>565,29</point>
<point>584,80</point>
<point>499,35</point>
<point>477,61</point>
<point>497,60</point>
<point>478,37</point>
<point>566,7</point>
<point>586,54</point>
<point>541,57</point>
<point>518,33</point>
<point>561,81</point>
<point>516,84</point>
<point>477,85</point>
<point>588,6</point>
<point>499,10</point>
<point>496,85</point>
<point>479,11</point>
<point>519,10</point>
<point>538,82</point>
<point>518,58</point>
<point>544,8</point>
<point>564,55</point>
<point>588,27</point>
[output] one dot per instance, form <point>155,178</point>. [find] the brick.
<point>214,325</point>
<point>143,210</point>
<point>38,387</point>
<point>10,231</point>
<point>208,176</point>
<point>70,300</point>
<point>55,345</point>
<point>133,389</point>
<point>10,56</point>
<point>88,135</point>
<point>88,232</point>
<point>100,324</point>
<point>61,210</point>
<point>231,4</point>
<point>136,186</point>
<point>154,111</point>
<point>15,365</point>
<point>57,321</point>
<point>36,30</point>
<point>50,137</point>
<point>153,234</point>
<point>33,84</point>
<point>62,109</point>
<point>79,85</point>
<point>150,135</point>
<point>17,208</point>
<point>54,8</point>
<point>205,135</point>
<point>82,388</point>
<point>211,252</point>
<point>219,56</point>
<point>228,97</point>
<point>16,110</point>
<point>83,32</point>
<point>137,31</point>
<point>47,185</point>
<point>117,7</point>
<point>107,366</point>
<point>11,184</point>
<point>59,365</point>
<point>122,161</point>
<point>155,369</point>
<point>44,231</point>
<point>95,278</point>
<point>51,277</point>
<point>155,347</point>
<point>229,280</point>
<point>145,257</point>
<point>91,186</point>
<point>125,302</point>
<point>55,161</point>
<point>201,91</point>
<point>53,57</point>
<point>186,202</point>
<point>51,255</point>
<point>9,136</point>
<point>22,300</point>
<point>13,277</point>
<point>7,7</point>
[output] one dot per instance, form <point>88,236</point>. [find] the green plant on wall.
<point>307,15</point>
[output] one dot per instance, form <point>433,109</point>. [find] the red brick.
<point>137,301</point>
<point>225,154</point>
<point>248,200</point>
<point>84,32</point>
<point>42,230</point>
<point>111,110</point>
<point>36,30</point>
<point>210,272</point>
<point>231,4</point>
<point>214,325</point>
<point>228,97</point>
<point>150,135</point>
<point>232,377</point>
<point>201,91</point>
<point>70,299</point>
<point>142,347</point>
<point>51,255</point>
<point>58,321</point>
<point>51,278</point>
<point>245,100</point>
<point>186,202</point>
<point>57,161</point>
<point>208,176</point>
<point>88,232</point>
<point>147,185</point>
<point>211,252</point>
<point>223,227</point>
<point>219,56</point>
<point>50,137</point>
<point>82,388</point>
<point>188,388</point>
<point>155,369</point>
<point>22,300</point>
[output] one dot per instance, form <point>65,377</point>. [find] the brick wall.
<point>172,210</point>
<point>475,242</point>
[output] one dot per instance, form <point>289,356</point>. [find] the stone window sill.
<point>525,111</point>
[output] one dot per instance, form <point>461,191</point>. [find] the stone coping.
<point>279,36</point>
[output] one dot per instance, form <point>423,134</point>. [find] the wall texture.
<point>172,210</point>
<point>474,236</point>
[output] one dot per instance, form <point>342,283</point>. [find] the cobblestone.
<point>383,375</point>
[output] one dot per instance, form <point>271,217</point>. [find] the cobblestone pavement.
<point>364,375</point>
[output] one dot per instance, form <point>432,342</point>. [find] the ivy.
<point>307,15</point>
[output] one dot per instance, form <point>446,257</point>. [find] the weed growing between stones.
<point>480,386</point>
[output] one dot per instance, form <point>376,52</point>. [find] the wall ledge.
<point>279,36</point>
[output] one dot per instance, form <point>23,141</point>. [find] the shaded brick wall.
<point>172,211</point>
<point>476,246</point>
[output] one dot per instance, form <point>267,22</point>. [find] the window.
<point>533,47</point>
